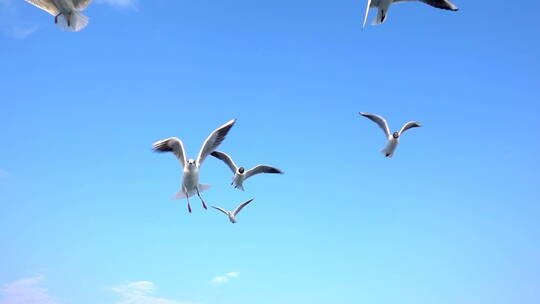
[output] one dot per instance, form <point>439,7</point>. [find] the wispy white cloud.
<point>20,32</point>
<point>27,291</point>
<point>31,291</point>
<point>120,3</point>
<point>141,293</point>
<point>11,24</point>
<point>225,278</point>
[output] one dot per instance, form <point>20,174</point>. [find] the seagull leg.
<point>69,20</point>
<point>56,18</point>
<point>188,204</point>
<point>203,204</point>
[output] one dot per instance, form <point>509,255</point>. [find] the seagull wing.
<point>262,169</point>
<point>46,5</point>
<point>226,159</point>
<point>221,209</point>
<point>410,124</point>
<point>174,145</point>
<point>241,206</point>
<point>381,122</point>
<point>81,4</point>
<point>442,4</point>
<point>367,13</point>
<point>214,140</point>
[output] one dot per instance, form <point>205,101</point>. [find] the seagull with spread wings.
<point>240,173</point>
<point>393,138</point>
<point>384,5</point>
<point>69,10</point>
<point>190,179</point>
<point>232,215</point>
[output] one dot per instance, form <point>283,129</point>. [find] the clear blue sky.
<point>85,209</point>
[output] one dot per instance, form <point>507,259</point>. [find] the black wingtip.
<point>278,171</point>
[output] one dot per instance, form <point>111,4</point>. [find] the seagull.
<point>384,5</point>
<point>240,173</point>
<point>232,215</point>
<point>72,19</point>
<point>393,139</point>
<point>190,179</point>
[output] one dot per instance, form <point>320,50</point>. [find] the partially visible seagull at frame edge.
<point>232,214</point>
<point>240,173</point>
<point>190,179</point>
<point>384,6</point>
<point>67,13</point>
<point>393,138</point>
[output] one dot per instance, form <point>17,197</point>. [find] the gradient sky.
<point>85,209</point>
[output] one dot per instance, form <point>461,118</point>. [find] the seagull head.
<point>241,170</point>
<point>191,163</point>
<point>395,135</point>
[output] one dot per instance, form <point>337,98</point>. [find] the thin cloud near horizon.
<point>225,278</point>
<point>32,290</point>
<point>27,291</point>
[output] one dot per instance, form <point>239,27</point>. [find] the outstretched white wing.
<point>262,169</point>
<point>214,140</point>
<point>226,159</point>
<point>174,145</point>
<point>442,4</point>
<point>221,209</point>
<point>241,206</point>
<point>410,124</point>
<point>367,13</point>
<point>381,122</point>
<point>46,5</point>
<point>81,4</point>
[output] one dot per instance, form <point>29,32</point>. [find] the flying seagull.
<point>232,215</point>
<point>190,179</point>
<point>240,173</point>
<point>384,5</point>
<point>69,10</point>
<point>393,139</point>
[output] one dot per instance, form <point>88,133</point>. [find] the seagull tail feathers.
<point>381,16</point>
<point>385,153</point>
<point>78,21</point>
<point>204,187</point>
<point>180,195</point>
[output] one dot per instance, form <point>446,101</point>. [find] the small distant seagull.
<point>393,139</point>
<point>190,179</point>
<point>232,215</point>
<point>240,174</point>
<point>69,10</point>
<point>384,5</point>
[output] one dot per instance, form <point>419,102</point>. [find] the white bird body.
<point>190,180</point>
<point>191,168</point>
<point>384,5</point>
<point>392,138</point>
<point>240,174</point>
<point>64,6</point>
<point>68,10</point>
<point>391,146</point>
<point>238,180</point>
<point>232,214</point>
<point>232,218</point>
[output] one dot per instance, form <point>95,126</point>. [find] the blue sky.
<point>85,209</point>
